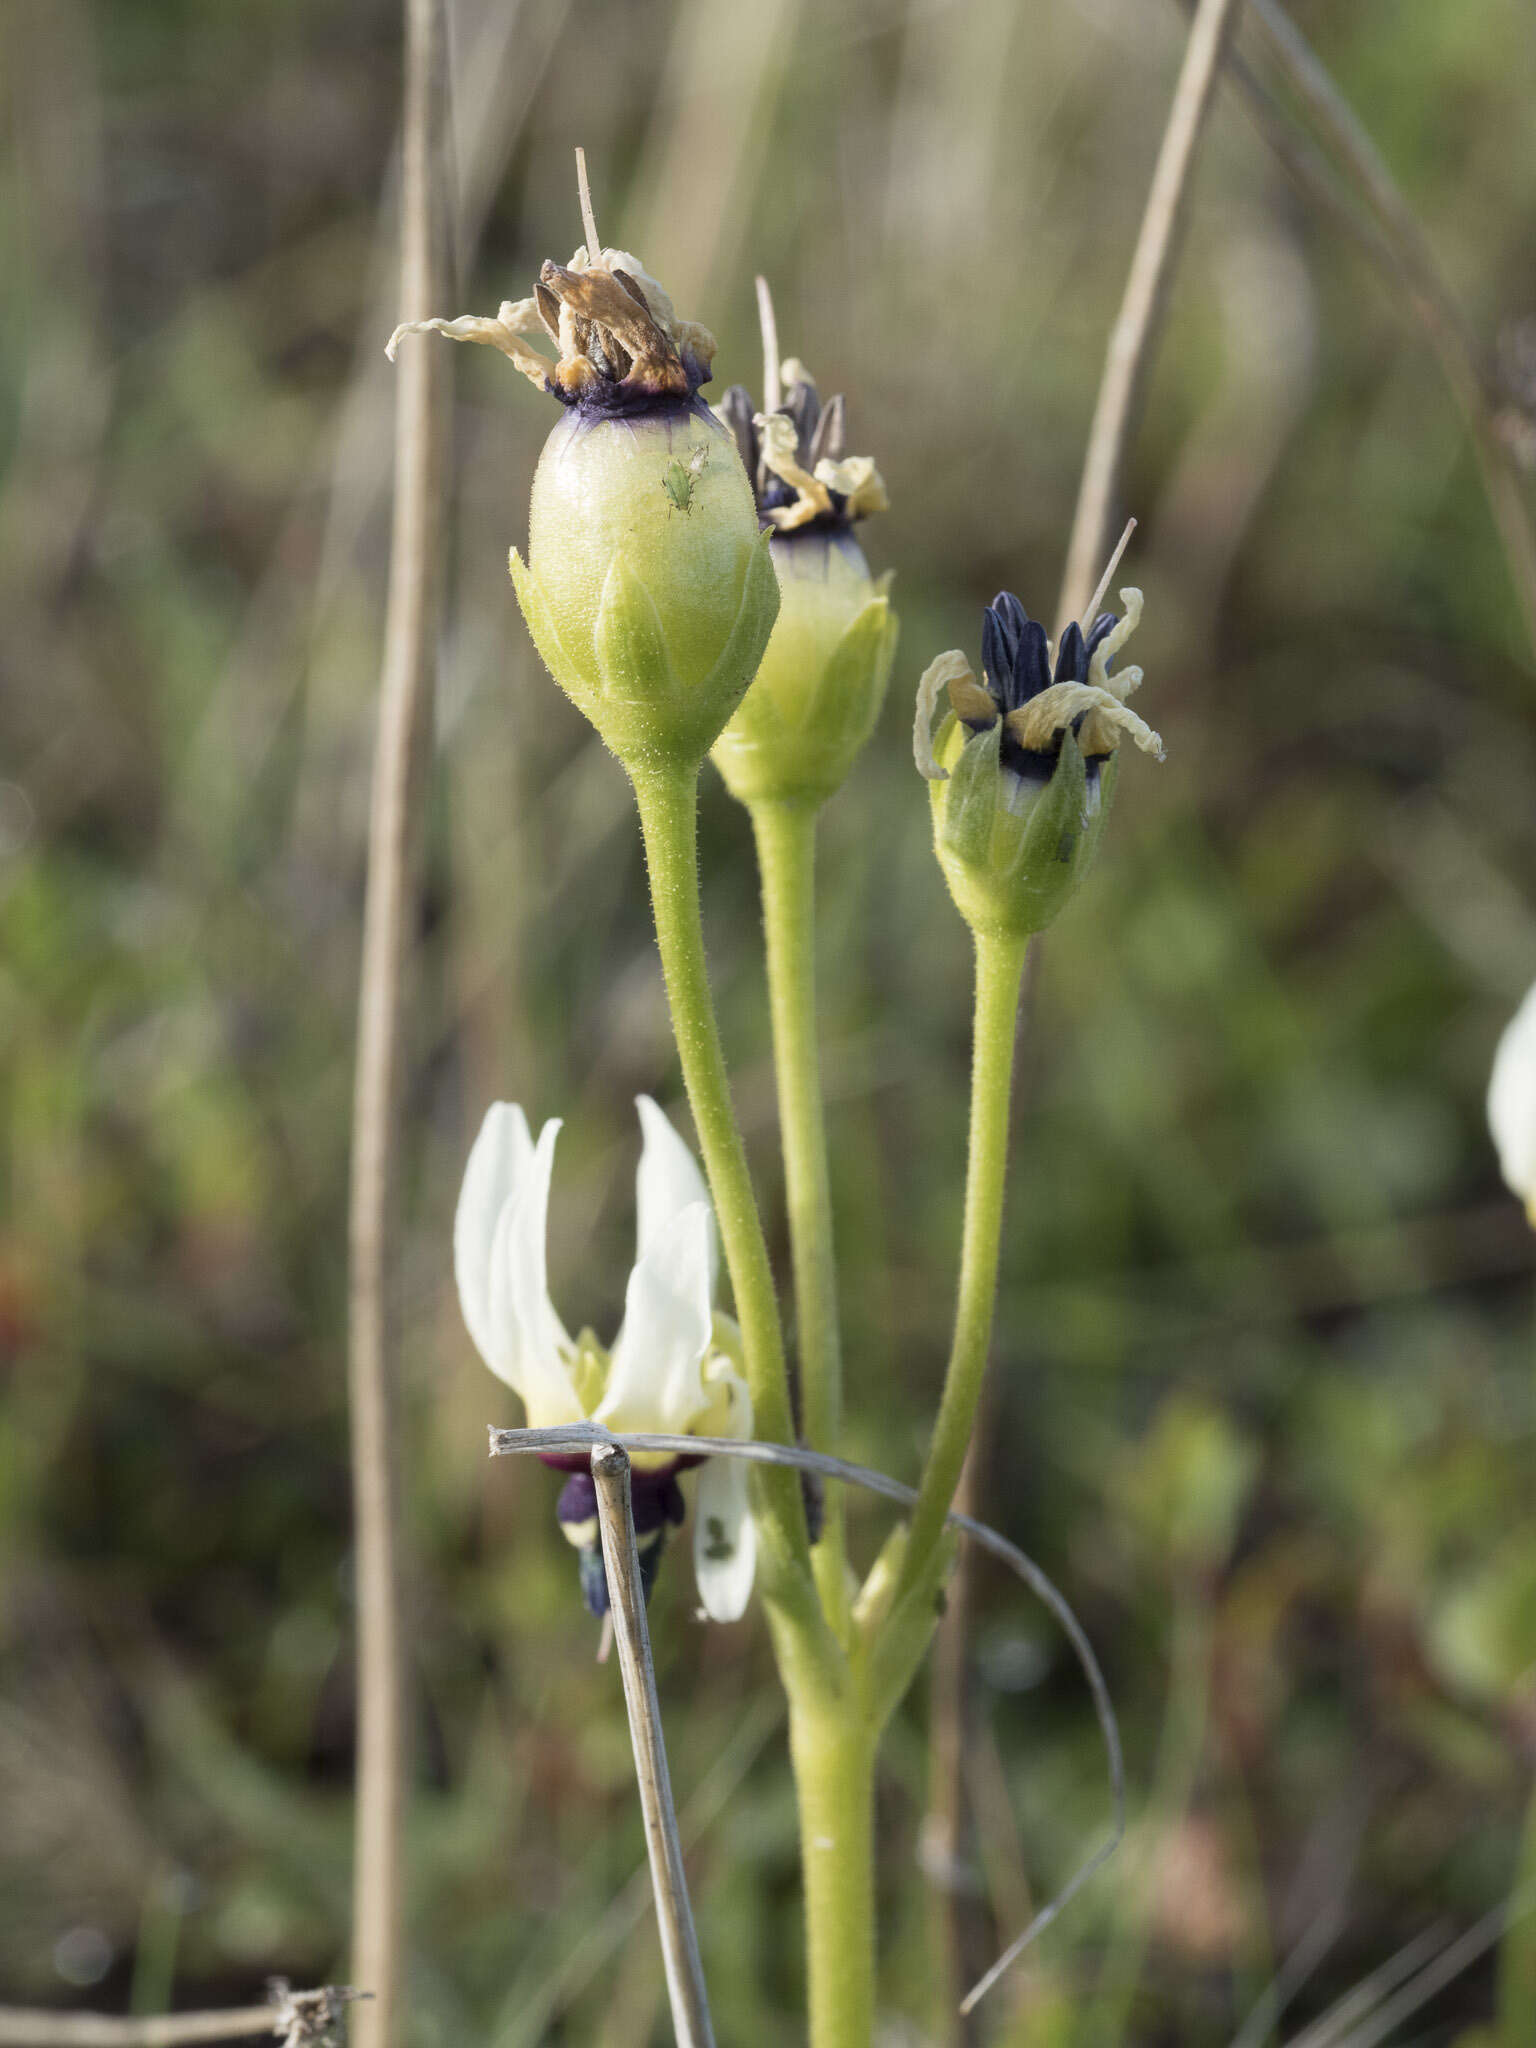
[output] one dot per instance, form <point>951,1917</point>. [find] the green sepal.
<point>851,688</point>
<point>541,627</point>
<point>629,641</point>
<point>1013,871</point>
<point>968,802</point>
<point>1051,840</point>
<point>726,684</point>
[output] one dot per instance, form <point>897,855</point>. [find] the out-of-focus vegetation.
<point>1262,1395</point>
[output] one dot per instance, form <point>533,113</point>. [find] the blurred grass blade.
<point>1372,206</point>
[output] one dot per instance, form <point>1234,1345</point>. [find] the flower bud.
<point>1022,767</point>
<point>823,677</point>
<point>648,589</point>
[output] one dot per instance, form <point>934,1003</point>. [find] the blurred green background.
<point>1262,1390</point>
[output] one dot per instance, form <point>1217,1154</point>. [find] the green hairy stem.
<point>999,978</point>
<point>842,1681</point>
<point>667,797</point>
<point>786,855</point>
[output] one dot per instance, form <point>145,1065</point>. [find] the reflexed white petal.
<point>654,1380</point>
<point>667,1182</point>
<point>528,1344</point>
<point>951,667</point>
<point>499,1163</point>
<point>724,1534</point>
<point>1512,1102</point>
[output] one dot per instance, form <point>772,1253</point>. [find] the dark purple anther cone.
<point>818,432</point>
<point>578,1499</point>
<point>1016,664</point>
<point>657,1503</point>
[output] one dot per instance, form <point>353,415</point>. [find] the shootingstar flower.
<point>1512,1103</point>
<point>1021,768</point>
<point>1035,702</point>
<point>647,589</point>
<point>822,678</point>
<point>795,458</point>
<point>670,1370</point>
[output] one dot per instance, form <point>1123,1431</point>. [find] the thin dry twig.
<point>299,2019</point>
<point>1133,339</point>
<point>588,1436</point>
<point>405,691</point>
<point>535,2006</point>
<point>674,1915</point>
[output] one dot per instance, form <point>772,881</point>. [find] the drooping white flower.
<point>670,1370</point>
<point>1512,1103</point>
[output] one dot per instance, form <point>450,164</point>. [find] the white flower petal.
<point>654,1379</point>
<point>724,1533</point>
<point>667,1182</point>
<point>499,1163</point>
<point>1512,1102</point>
<point>528,1343</point>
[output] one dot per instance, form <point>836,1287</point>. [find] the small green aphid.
<point>678,479</point>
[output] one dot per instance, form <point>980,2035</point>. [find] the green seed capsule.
<point>647,589</point>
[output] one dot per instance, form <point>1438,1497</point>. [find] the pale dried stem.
<point>1091,608</point>
<point>679,1942</point>
<point>293,2017</point>
<point>1138,326</point>
<point>373,1360</point>
<point>22,2028</point>
<point>588,218</point>
<point>773,395</point>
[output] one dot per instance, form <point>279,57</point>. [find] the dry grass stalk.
<point>674,1915</point>
<point>1138,325</point>
<point>296,2018</point>
<point>405,694</point>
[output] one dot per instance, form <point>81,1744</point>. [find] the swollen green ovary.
<point>601,488</point>
<point>823,585</point>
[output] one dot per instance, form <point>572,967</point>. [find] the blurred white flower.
<point>670,1369</point>
<point>1512,1103</point>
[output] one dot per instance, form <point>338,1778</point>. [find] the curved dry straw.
<point>587,1436</point>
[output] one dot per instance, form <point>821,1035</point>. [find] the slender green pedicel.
<point>1020,774</point>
